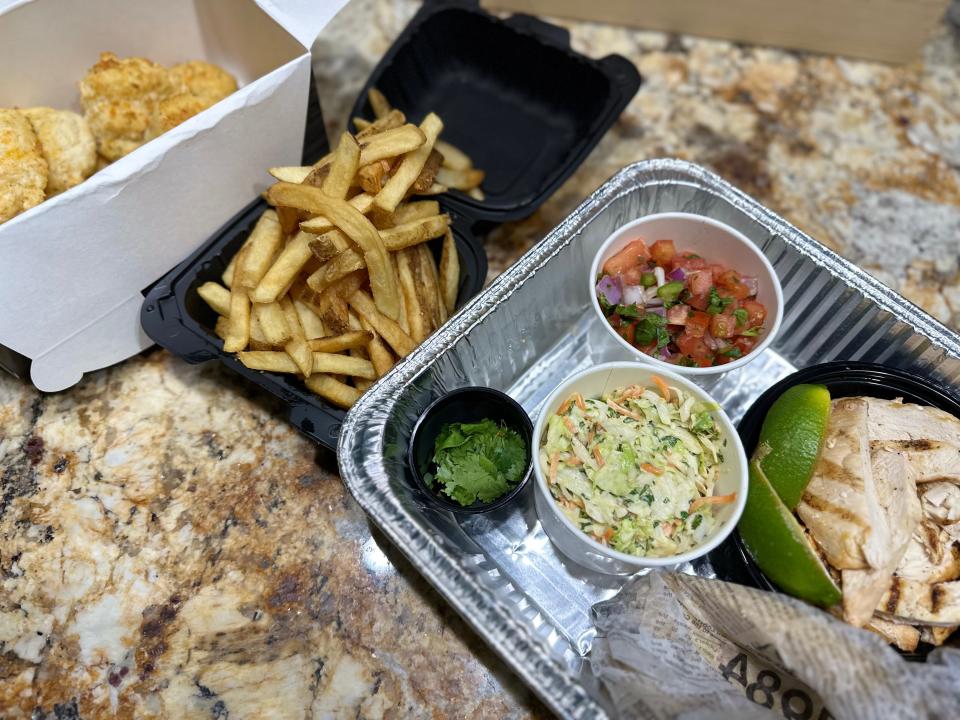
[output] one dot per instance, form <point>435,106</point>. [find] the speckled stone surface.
<point>169,547</point>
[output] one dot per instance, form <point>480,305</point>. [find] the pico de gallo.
<point>679,307</point>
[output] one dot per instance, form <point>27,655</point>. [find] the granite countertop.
<point>169,547</point>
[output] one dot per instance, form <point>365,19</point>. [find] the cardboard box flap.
<point>304,19</point>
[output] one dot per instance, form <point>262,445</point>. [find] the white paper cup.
<point>583,549</point>
<point>715,242</point>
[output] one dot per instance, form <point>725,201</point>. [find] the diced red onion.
<point>710,340</point>
<point>665,354</point>
<point>677,274</point>
<point>657,310</point>
<point>753,285</point>
<point>655,303</point>
<point>633,295</point>
<point>609,288</point>
<point>658,274</point>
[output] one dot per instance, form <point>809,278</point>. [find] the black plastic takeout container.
<point>842,379</point>
<point>512,94</point>
<point>465,405</point>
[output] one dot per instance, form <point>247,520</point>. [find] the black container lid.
<point>512,94</point>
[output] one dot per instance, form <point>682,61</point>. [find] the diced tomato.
<point>633,255</point>
<point>730,280</point>
<point>756,313</point>
<point>689,261</point>
<point>663,252</point>
<point>721,326</point>
<point>695,348</point>
<point>699,302</point>
<point>632,275</point>
<point>677,315</point>
<point>699,282</point>
<point>629,332</point>
<point>697,323</point>
<point>722,359</point>
<point>615,321</point>
<point>745,344</point>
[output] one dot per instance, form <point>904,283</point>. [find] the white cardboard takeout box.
<point>72,269</point>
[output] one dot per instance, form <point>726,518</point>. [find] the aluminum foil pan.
<point>532,328</point>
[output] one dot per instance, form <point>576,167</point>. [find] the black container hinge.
<point>545,32</point>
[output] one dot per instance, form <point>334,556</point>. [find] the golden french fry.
<point>360,124</point>
<point>344,166</point>
<point>338,364</point>
<point>289,219</point>
<point>269,360</point>
<point>338,343</point>
<point>408,272</point>
<point>429,287</point>
<point>272,322</point>
<point>378,103</point>
<point>428,173</point>
<point>216,296</point>
<point>295,174</point>
<point>385,326</point>
<point>221,328</point>
<point>324,248</point>
<point>297,346</point>
<point>453,157</point>
<point>319,225</point>
<point>362,385</point>
<point>477,194</point>
<point>258,341</point>
<point>410,211</point>
<point>310,322</point>
<point>262,246</point>
<point>334,315</point>
<point>402,320</point>
<point>285,268</point>
<point>380,356</point>
<point>332,390</point>
<point>344,263</point>
<point>404,176</point>
<point>383,281</point>
<point>415,232</point>
<point>391,143</point>
<point>238,329</point>
<point>371,176</point>
<point>435,189</point>
<point>449,272</point>
<point>460,179</point>
<point>392,119</point>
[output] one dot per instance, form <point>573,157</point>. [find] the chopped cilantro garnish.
<point>752,332</point>
<point>717,304</point>
<point>696,521</point>
<point>683,514</point>
<point>732,352</point>
<point>740,315</point>
<point>686,362</point>
<point>477,461</point>
<point>651,328</point>
<point>628,311</point>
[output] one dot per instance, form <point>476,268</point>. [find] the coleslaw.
<point>635,469</point>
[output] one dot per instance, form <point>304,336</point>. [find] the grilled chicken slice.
<point>897,420</point>
<point>921,603</point>
<point>897,494</point>
<point>905,637</point>
<point>941,502</point>
<point>930,460</point>
<point>921,563</point>
<point>840,505</point>
<point>936,635</point>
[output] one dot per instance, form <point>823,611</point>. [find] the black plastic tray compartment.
<point>512,94</point>
<point>178,319</point>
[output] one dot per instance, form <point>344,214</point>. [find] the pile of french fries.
<point>335,282</point>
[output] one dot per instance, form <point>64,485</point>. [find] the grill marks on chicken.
<point>883,508</point>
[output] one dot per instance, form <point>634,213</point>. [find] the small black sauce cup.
<point>466,405</point>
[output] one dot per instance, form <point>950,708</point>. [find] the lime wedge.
<point>777,544</point>
<point>791,439</point>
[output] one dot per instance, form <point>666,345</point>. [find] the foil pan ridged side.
<point>532,328</point>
